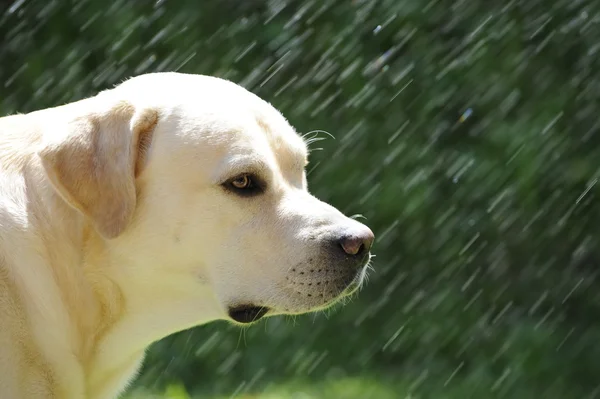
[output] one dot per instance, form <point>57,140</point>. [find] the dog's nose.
<point>357,242</point>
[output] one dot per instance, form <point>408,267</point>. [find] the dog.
<point>166,202</point>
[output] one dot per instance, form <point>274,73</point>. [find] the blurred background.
<point>466,132</point>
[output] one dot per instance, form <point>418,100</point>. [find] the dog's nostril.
<point>355,244</point>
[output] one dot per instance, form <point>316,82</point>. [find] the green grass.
<point>474,386</point>
<point>347,388</point>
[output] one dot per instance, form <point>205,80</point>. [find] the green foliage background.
<point>467,133</point>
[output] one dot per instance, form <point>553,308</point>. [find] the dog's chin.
<point>247,314</point>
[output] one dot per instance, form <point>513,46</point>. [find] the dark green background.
<point>467,133</point>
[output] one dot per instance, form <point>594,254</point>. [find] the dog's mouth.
<point>246,314</point>
<point>354,284</point>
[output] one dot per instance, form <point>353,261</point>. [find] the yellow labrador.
<point>169,201</point>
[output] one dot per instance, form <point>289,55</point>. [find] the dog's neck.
<point>104,301</point>
<point>139,314</point>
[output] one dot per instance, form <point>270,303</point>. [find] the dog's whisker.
<point>314,140</point>
<point>317,131</point>
<point>239,339</point>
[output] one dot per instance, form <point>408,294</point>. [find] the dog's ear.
<point>93,160</point>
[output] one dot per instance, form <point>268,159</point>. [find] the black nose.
<point>358,242</point>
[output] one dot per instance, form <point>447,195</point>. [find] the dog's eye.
<point>242,182</point>
<point>244,185</point>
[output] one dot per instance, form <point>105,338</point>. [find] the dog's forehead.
<point>238,119</point>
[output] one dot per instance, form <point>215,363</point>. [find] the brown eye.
<point>246,185</point>
<point>242,182</point>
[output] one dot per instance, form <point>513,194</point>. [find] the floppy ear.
<point>94,161</point>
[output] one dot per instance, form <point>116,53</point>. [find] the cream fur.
<point>115,230</point>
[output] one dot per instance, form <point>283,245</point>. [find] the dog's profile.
<point>169,201</point>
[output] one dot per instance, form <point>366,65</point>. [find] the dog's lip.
<point>246,314</point>
<point>356,282</point>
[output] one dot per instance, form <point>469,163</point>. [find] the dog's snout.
<point>358,242</point>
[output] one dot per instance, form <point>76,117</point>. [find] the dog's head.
<point>193,179</point>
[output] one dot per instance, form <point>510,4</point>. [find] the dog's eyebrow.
<point>239,165</point>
